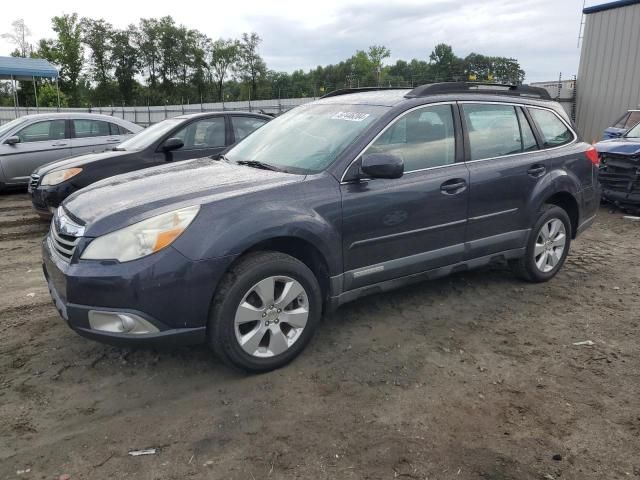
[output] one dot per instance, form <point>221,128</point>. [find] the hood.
<point>79,161</point>
<point>620,146</point>
<point>129,198</point>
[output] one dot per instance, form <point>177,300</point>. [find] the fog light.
<point>120,322</point>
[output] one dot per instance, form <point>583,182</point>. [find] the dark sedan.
<point>179,138</point>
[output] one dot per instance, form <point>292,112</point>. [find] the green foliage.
<point>48,96</point>
<point>159,62</point>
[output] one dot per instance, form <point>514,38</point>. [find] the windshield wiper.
<point>258,164</point>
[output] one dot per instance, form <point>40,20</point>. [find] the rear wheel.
<point>547,248</point>
<point>265,312</point>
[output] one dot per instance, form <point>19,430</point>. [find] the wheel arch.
<point>569,204</point>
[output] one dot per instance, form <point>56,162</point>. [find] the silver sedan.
<point>28,142</point>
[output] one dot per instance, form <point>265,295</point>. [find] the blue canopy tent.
<point>17,68</point>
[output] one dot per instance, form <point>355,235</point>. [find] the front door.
<point>202,138</point>
<point>398,227</point>
<point>40,143</point>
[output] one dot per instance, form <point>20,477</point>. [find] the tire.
<point>239,313</point>
<point>533,267</point>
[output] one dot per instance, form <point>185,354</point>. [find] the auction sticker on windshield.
<point>350,116</point>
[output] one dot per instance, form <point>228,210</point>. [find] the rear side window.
<point>424,138</point>
<point>118,130</point>
<point>43,131</point>
<point>494,131</point>
<point>243,126</point>
<point>90,128</point>
<point>553,130</point>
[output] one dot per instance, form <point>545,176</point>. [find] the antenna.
<point>582,22</point>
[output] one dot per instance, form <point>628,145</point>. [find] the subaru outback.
<point>351,195</point>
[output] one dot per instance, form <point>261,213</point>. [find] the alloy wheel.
<point>271,316</point>
<point>550,245</point>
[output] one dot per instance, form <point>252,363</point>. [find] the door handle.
<point>536,170</point>
<point>453,186</point>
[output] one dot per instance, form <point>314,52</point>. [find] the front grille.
<point>34,181</point>
<point>64,235</point>
<point>620,173</point>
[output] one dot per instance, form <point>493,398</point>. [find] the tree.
<point>147,43</point>
<point>251,66</point>
<point>223,56</point>
<point>19,37</point>
<point>376,54</point>
<point>97,35</point>
<point>48,96</point>
<point>125,60</point>
<point>66,52</point>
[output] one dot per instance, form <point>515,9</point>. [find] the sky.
<point>541,34</point>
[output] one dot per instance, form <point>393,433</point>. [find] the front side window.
<point>243,126</point>
<point>206,133</point>
<point>553,130</point>
<point>423,138</point>
<point>493,129</point>
<point>43,131</point>
<point>308,138</point>
<point>90,128</point>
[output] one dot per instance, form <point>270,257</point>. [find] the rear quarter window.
<point>553,130</point>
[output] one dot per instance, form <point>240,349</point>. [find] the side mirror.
<point>172,144</point>
<point>12,140</point>
<point>382,165</point>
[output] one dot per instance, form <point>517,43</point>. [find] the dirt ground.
<point>469,377</point>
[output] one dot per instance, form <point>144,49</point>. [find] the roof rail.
<point>482,88</point>
<point>344,91</point>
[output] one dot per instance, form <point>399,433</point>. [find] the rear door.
<point>202,138</point>
<point>506,162</point>
<point>40,142</point>
<point>397,227</point>
<point>90,136</point>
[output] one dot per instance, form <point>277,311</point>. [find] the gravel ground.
<point>469,377</point>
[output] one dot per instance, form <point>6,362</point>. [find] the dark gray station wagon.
<point>354,194</point>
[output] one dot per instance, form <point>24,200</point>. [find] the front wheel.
<point>265,312</point>
<point>547,248</point>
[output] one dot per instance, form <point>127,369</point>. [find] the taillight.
<point>592,155</point>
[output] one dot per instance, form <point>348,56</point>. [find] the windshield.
<point>8,126</point>
<point>146,137</point>
<point>308,138</point>
<point>634,132</point>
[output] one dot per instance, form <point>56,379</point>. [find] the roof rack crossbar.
<point>345,91</point>
<point>481,88</point>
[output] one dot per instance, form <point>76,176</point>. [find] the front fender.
<point>311,212</point>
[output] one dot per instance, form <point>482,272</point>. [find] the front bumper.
<point>166,289</point>
<point>46,199</point>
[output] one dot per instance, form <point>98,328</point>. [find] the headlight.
<point>59,176</point>
<point>143,238</point>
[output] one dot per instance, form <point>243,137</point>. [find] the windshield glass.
<point>8,126</point>
<point>634,132</point>
<point>146,137</point>
<point>308,138</point>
